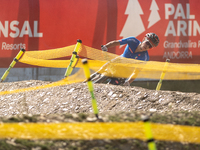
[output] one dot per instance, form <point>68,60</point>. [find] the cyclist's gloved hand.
<point>104,48</point>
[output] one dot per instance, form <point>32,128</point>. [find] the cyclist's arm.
<point>112,43</point>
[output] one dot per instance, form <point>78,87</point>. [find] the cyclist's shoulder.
<point>134,39</point>
<point>130,40</point>
<point>130,37</point>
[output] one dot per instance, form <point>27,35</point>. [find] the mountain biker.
<point>134,49</point>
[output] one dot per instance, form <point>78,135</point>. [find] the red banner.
<point>48,24</point>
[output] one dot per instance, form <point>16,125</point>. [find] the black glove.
<point>104,48</point>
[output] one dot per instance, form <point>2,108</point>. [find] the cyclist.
<point>134,49</point>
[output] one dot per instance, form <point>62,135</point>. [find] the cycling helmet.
<point>152,38</point>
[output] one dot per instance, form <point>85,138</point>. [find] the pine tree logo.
<point>154,15</point>
<point>134,25</point>
<point>134,20</point>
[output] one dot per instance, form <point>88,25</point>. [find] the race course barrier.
<point>93,131</point>
<point>111,66</point>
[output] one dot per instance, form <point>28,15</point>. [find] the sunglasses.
<point>148,44</point>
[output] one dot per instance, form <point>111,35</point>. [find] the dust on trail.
<point>75,98</point>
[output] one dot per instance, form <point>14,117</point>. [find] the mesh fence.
<point>112,65</point>
<point>108,64</point>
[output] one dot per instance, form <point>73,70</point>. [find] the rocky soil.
<point>75,98</point>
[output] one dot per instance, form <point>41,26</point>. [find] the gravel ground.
<point>75,98</point>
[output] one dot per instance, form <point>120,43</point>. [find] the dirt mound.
<point>75,98</point>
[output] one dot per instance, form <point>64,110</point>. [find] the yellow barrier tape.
<point>68,80</point>
<point>116,66</point>
<point>52,53</point>
<point>95,64</point>
<point>88,131</point>
<point>108,64</point>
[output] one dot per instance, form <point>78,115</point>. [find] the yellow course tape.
<point>88,131</point>
<point>68,80</point>
<point>116,66</point>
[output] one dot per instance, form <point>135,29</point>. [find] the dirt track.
<point>75,98</point>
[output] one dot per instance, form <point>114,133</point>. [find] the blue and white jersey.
<point>129,52</point>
